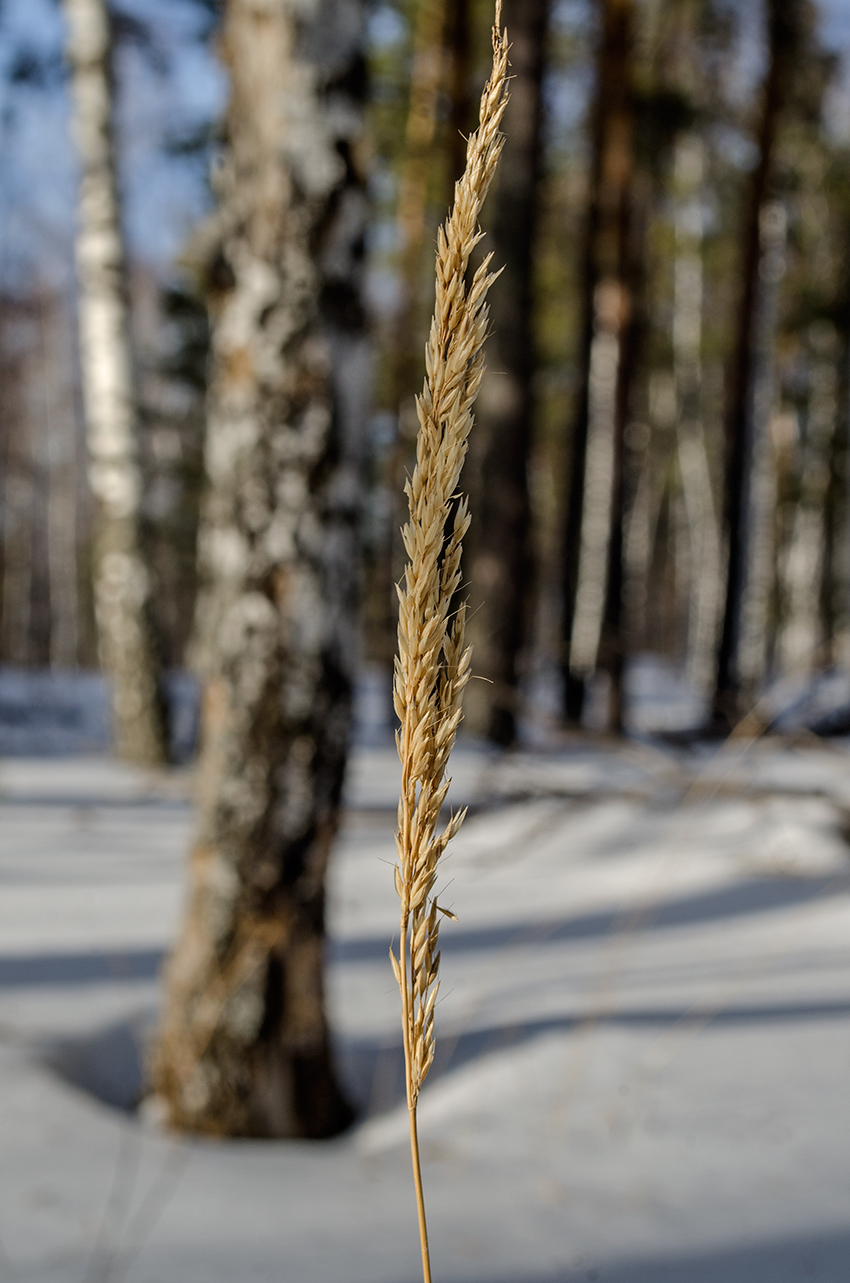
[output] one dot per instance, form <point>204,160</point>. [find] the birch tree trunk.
<point>501,562</point>
<point>694,467</point>
<point>593,553</point>
<point>244,1046</point>
<point>121,588</point>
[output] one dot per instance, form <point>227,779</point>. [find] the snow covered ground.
<point>644,1032</point>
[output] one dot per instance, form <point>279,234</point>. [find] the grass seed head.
<point>432,667</point>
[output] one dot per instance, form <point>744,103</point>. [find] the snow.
<point>643,1032</point>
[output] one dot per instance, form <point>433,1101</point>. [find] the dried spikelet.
<point>432,666</point>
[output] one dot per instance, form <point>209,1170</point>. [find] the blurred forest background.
<point>660,466</point>
<point>216,277</point>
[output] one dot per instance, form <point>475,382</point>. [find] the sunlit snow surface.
<point>644,1034</point>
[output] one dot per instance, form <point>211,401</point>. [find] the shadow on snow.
<point>822,1258</point>
<point>109,1063</point>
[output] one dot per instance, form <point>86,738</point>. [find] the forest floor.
<point>643,1034</point>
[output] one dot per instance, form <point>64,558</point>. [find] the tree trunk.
<point>803,643</point>
<point>427,75</point>
<point>244,1046</point>
<point>16,497</point>
<point>757,592</point>
<point>121,588</point>
<point>426,79</point>
<point>835,582</point>
<point>57,388</point>
<point>729,696</point>
<point>461,117</point>
<point>593,543</point>
<point>694,467</point>
<point>500,566</point>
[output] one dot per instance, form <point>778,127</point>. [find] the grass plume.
<point>432,666</point>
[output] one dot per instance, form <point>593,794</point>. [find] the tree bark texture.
<point>121,581</point>
<point>729,697</point>
<point>501,563</point>
<point>244,1046</point>
<point>593,535</point>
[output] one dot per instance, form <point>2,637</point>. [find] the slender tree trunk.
<point>459,50</point>
<point>729,696</point>
<point>427,77</point>
<point>756,640</point>
<point>641,537</point>
<point>441,62</point>
<point>61,448</point>
<point>593,543</point>
<point>613,637</point>
<point>244,1047</point>
<point>42,588</point>
<point>17,503</point>
<point>835,583</point>
<point>121,588</point>
<point>501,563</point>
<point>694,468</point>
<point>426,80</point>
<point>804,638</point>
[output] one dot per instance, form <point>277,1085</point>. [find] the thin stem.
<point>420,1198</point>
<point>411,1102</point>
<point>406,980</point>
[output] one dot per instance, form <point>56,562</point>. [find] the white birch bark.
<point>244,1045</point>
<point>121,588</point>
<point>694,469</point>
<point>596,515</point>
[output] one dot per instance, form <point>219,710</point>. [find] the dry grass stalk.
<point>432,666</point>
